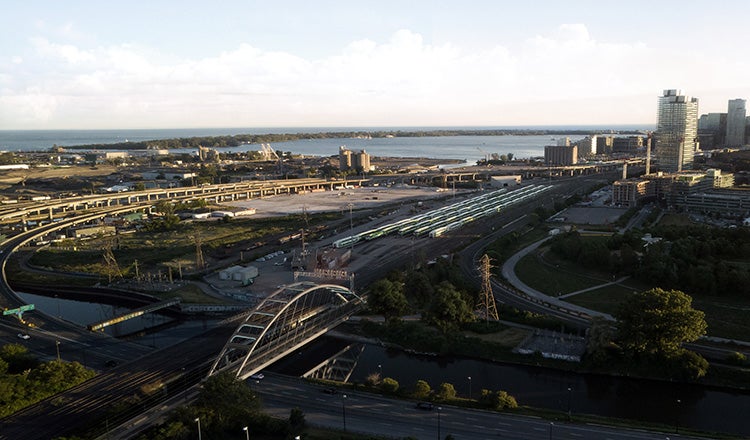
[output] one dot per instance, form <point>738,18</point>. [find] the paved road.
<point>376,415</point>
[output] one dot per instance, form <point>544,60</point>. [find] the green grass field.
<point>549,279</point>
<point>726,317</point>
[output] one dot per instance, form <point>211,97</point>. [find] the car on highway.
<point>24,336</point>
<point>257,376</point>
<point>427,406</point>
<point>330,390</point>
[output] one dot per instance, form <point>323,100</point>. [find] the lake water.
<point>470,148</point>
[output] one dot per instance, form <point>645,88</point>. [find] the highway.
<point>90,400</point>
<point>376,415</point>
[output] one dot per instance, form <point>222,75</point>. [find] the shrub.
<point>446,391</point>
<point>736,358</point>
<point>389,385</point>
<point>497,400</point>
<point>421,389</point>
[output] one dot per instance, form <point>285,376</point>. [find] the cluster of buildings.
<point>358,161</point>
<point>568,152</point>
<point>680,134</point>
<point>728,129</point>
<point>676,141</point>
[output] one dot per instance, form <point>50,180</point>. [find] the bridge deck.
<point>134,313</point>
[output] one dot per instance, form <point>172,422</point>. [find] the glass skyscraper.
<point>736,123</point>
<point>676,131</point>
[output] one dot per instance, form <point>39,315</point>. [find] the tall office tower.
<point>736,123</point>
<point>676,131</point>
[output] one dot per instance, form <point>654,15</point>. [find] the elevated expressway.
<point>287,319</point>
<point>215,193</point>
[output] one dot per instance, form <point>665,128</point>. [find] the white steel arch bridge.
<point>284,321</point>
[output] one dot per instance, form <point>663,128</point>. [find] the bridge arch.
<point>285,320</point>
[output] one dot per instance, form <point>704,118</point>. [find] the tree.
<point>296,420</point>
<point>421,389</point>
<point>659,321</point>
<point>387,298</point>
<point>497,400</point>
<point>58,376</point>
<point>18,358</point>
<point>389,385</point>
<point>599,339</point>
<point>229,401</point>
<point>418,288</point>
<point>449,308</point>
<point>446,391</point>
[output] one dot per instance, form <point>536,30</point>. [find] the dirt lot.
<point>40,180</point>
<point>328,201</point>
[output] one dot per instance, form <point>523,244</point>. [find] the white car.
<point>24,336</point>
<point>257,376</point>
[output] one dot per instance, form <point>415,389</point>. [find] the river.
<point>699,407</point>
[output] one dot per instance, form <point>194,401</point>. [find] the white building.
<point>676,131</point>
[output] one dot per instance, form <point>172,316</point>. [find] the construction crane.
<point>486,155</point>
<point>268,152</point>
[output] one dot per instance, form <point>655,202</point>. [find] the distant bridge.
<point>286,320</point>
<point>134,313</point>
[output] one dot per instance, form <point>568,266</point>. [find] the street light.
<point>550,430</point>
<point>469,387</point>
<point>677,418</point>
<point>569,396</point>
<point>343,409</point>
<point>439,408</point>
<point>57,346</point>
<point>198,420</point>
<point>247,433</point>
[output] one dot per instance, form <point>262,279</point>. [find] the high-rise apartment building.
<point>561,155</point>
<point>736,114</point>
<point>676,131</point>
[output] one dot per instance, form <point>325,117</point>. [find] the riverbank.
<point>542,390</point>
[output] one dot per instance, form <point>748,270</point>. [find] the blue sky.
<point>170,64</point>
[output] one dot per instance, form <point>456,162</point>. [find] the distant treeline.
<point>240,139</point>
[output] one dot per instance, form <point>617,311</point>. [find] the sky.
<point>195,64</point>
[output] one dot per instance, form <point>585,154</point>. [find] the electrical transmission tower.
<point>200,263</point>
<point>488,308</point>
<point>113,269</point>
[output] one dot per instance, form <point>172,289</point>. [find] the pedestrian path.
<point>509,272</point>
<point>588,289</point>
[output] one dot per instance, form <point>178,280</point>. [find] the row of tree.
<point>696,260</point>
<point>446,392</point>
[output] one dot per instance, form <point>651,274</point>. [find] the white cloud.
<point>564,76</point>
